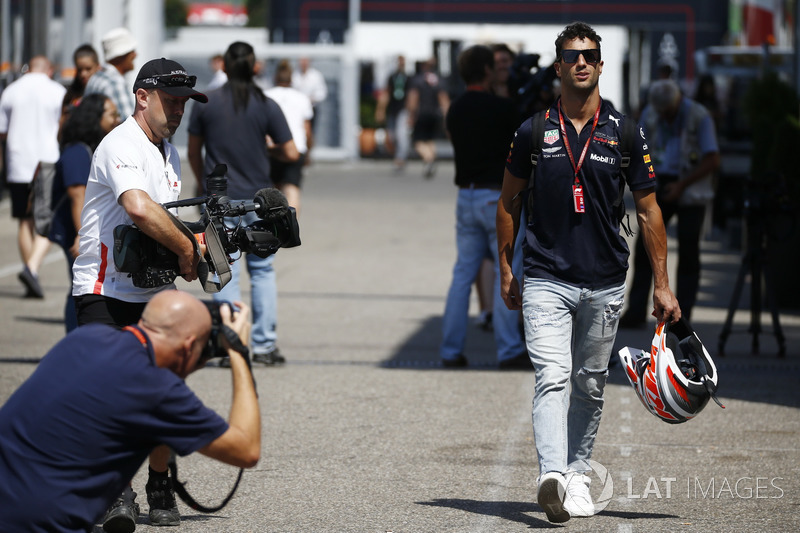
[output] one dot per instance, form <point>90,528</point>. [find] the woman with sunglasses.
<point>575,263</point>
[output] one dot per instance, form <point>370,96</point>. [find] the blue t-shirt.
<point>579,249</point>
<point>238,139</point>
<point>72,168</point>
<point>75,433</point>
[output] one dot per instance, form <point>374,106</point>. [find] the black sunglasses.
<point>590,55</point>
<point>172,80</point>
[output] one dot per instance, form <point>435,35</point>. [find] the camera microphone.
<point>271,204</point>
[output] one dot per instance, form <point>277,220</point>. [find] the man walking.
<point>685,156</point>
<point>575,263</point>
<point>30,109</point>
<point>480,126</point>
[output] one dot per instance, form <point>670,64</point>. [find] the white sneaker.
<point>550,496</point>
<point>578,501</point>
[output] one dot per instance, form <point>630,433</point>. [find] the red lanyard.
<point>577,167</point>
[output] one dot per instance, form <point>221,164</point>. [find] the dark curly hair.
<point>473,61</point>
<point>576,30</point>
<point>83,123</point>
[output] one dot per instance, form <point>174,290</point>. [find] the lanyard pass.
<point>577,196</point>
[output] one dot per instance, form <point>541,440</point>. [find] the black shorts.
<point>283,173</point>
<point>20,194</point>
<point>427,127</point>
<point>98,309</point>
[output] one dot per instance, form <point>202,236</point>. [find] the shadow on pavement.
<point>516,511</point>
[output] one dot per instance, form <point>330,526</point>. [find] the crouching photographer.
<point>67,449</point>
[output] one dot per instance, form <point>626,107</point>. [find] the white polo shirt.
<point>124,160</point>
<point>296,107</point>
<point>30,109</point>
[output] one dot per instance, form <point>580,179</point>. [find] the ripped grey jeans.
<point>569,333</point>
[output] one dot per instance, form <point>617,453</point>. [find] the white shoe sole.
<point>549,498</point>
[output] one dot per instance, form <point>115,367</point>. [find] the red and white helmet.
<point>676,379</point>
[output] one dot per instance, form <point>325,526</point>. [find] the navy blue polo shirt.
<point>75,433</point>
<point>581,249</point>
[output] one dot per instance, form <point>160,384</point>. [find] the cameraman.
<point>67,449</point>
<point>135,169</point>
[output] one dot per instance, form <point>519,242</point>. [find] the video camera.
<point>150,264</point>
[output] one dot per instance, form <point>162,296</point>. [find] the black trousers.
<point>97,309</point>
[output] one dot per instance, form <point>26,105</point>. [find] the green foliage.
<point>175,12</point>
<point>367,112</point>
<point>257,13</point>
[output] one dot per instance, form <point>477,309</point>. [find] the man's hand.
<point>188,265</point>
<point>240,323</point>
<point>509,290</point>
<point>665,306</point>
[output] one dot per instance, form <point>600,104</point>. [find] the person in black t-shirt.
<point>480,126</point>
<point>575,263</point>
<point>426,103</point>
<point>392,110</point>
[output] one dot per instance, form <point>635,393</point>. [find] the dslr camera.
<point>214,347</point>
<point>150,264</point>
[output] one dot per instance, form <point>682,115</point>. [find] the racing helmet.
<point>675,380</point>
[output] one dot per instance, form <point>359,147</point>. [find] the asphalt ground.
<point>364,432</point>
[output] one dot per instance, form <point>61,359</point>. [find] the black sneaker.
<point>272,357</point>
<point>121,517</point>
<point>459,362</point>
<point>31,282</point>
<point>161,499</point>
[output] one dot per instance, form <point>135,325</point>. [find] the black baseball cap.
<point>168,76</point>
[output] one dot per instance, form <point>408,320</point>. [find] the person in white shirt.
<point>310,82</point>
<point>134,170</point>
<point>296,107</point>
<point>217,65</point>
<point>30,109</point>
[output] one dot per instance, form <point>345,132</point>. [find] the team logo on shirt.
<point>602,159</point>
<point>602,138</point>
<point>551,150</point>
<point>551,136</point>
<point>125,166</point>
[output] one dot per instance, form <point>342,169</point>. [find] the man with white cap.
<point>119,49</point>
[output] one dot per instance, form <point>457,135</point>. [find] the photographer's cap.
<point>168,76</point>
